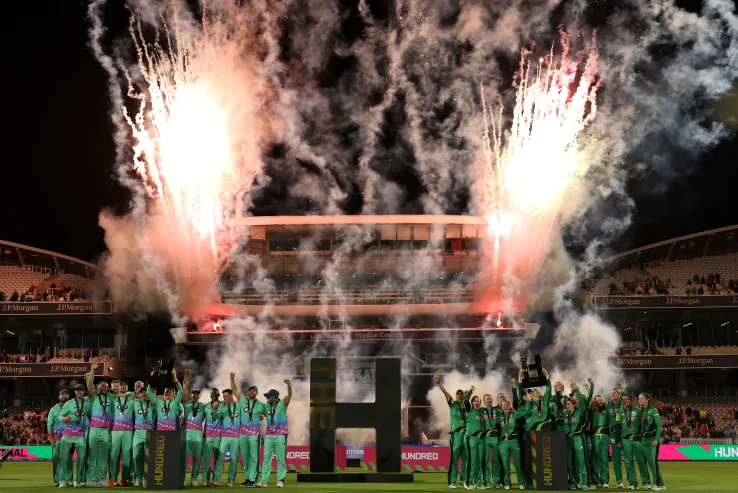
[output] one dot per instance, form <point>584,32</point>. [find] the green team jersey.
<point>651,423</point>
<point>612,412</point>
<point>54,424</point>
<point>458,412</point>
<point>574,421</point>
<point>628,422</point>
<point>537,411</point>
<point>600,421</point>
<point>194,414</point>
<point>475,422</point>
<point>509,423</point>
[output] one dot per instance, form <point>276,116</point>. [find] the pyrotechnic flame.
<point>528,168</point>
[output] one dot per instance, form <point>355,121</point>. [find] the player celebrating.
<point>100,420</point>
<point>76,418</point>
<point>651,429</point>
<point>600,441</point>
<point>628,440</point>
<point>121,436</point>
<point>509,423</point>
<point>248,443</point>
<point>230,416</point>
<point>613,406</point>
<point>276,436</point>
<point>213,426</point>
<point>194,413</point>
<point>167,406</point>
<point>492,442</point>
<point>458,409</point>
<point>538,408</point>
<point>474,442</point>
<point>574,425</point>
<point>145,415</point>
<point>55,430</point>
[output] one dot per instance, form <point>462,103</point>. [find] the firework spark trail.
<point>528,169</point>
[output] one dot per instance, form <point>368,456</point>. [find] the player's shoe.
<point>194,483</point>
<point>230,485</point>
<point>521,487</point>
<point>63,484</point>
<point>507,487</point>
<point>77,485</point>
<point>245,482</point>
<point>620,485</point>
<point>260,485</point>
<point>452,486</point>
<point>280,484</point>
<point>215,483</point>
<point>111,483</point>
<point>605,485</point>
<point>656,487</point>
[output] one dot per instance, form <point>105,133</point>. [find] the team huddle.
<point>107,427</point>
<point>487,438</point>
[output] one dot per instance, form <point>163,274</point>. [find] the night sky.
<point>59,172</point>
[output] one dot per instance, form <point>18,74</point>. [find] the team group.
<point>107,427</point>
<point>485,437</point>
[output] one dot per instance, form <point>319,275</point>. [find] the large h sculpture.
<point>327,415</point>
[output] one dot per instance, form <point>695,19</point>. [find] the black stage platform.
<point>355,477</point>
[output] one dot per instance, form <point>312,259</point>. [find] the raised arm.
<point>178,395</point>
<point>547,393</point>
<point>590,391</point>
<point>90,379</point>
<point>234,387</point>
<point>515,399</point>
<point>437,378</point>
<point>289,392</point>
<point>468,396</point>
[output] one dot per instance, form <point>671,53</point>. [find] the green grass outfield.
<point>679,476</point>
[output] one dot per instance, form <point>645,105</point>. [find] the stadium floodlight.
<point>690,323</point>
<point>723,325</point>
<point>11,333</point>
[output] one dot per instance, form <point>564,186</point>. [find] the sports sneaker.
<point>631,487</point>
<point>656,487</point>
<point>90,484</point>
<point>260,485</point>
<point>620,485</point>
<point>63,484</point>
<point>605,485</point>
<point>136,483</point>
<point>452,486</point>
<point>521,487</point>
<point>507,487</point>
<point>111,483</point>
<point>646,486</point>
<point>280,484</point>
<point>195,484</point>
<point>77,485</point>
<point>230,485</point>
<point>245,482</point>
<point>215,483</point>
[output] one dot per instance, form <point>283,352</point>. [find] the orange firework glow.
<point>528,167</point>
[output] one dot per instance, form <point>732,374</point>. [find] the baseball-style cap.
<point>63,391</point>
<point>79,386</point>
<point>459,391</point>
<point>256,389</point>
<point>272,393</point>
<point>196,392</point>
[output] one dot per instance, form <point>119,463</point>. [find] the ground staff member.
<point>144,421</point>
<point>600,441</point>
<point>121,436</point>
<point>275,442</point>
<point>457,409</point>
<point>193,416</point>
<point>651,429</point>
<point>474,437</point>
<point>510,427</point>
<point>101,419</point>
<point>628,436</point>
<point>76,418</point>
<point>574,417</point>
<point>492,443</point>
<point>252,413</point>
<point>55,430</point>
<point>213,425</point>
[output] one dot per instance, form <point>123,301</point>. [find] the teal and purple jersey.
<point>167,411</point>
<point>251,412</point>
<point>276,418</point>
<point>123,413</point>
<point>213,423</point>
<point>54,423</point>
<point>230,417</point>
<point>194,416</point>
<point>102,411</point>
<point>145,414</point>
<point>79,412</point>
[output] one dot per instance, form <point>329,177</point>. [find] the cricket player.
<point>121,436</point>
<point>252,413</point>
<point>492,442</point>
<point>194,413</point>
<point>651,441</point>
<point>76,418</point>
<point>613,407</point>
<point>600,441</point>
<point>510,424</point>
<point>574,425</point>
<point>145,421</point>
<point>101,418</point>
<point>628,440</point>
<point>230,417</point>
<point>167,406</point>
<point>275,442</point>
<point>458,409</point>
<point>55,430</point>
<point>213,426</point>
<point>474,441</point>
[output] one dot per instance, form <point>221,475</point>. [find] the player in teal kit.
<point>76,418</point>
<point>145,421</point>
<point>101,418</point>
<point>230,417</point>
<point>121,436</point>
<point>276,436</point>
<point>252,412</point>
<point>193,415</point>
<point>167,407</point>
<point>213,427</point>
<point>55,430</point>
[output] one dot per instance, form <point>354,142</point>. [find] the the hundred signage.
<point>56,308</point>
<point>675,362</point>
<point>45,370</point>
<point>639,302</point>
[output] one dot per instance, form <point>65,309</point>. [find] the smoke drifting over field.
<point>377,109</point>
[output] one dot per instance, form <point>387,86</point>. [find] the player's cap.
<point>459,391</point>
<point>254,387</point>
<point>79,386</point>
<point>196,392</point>
<point>272,393</point>
<point>63,391</point>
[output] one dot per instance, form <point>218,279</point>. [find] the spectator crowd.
<point>24,429</point>
<point>690,422</point>
<point>51,294</point>
<point>710,283</point>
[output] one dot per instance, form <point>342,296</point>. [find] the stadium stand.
<point>24,426</point>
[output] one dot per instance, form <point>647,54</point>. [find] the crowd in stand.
<point>685,422</point>
<point>51,294</point>
<point>45,357</point>
<point>710,283</point>
<point>647,287</point>
<point>27,428</point>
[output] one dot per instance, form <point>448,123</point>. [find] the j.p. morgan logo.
<point>634,362</point>
<point>622,301</point>
<point>695,361</point>
<point>683,301</point>
<point>19,308</point>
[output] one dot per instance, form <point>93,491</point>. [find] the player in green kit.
<point>252,411</point>
<point>55,430</point>
<point>613,407</point>
<point>574,421</point>
<point>275,442</point>
<point>144,421</point>
<point>587,441</point>
<point>509,423</point>
<point>537,408</point>
<point>492,442</point>
<point>600,441</point>
<point>230,417</point>
<point>628,440</point>
<point>213,425</point>
<point>651,441</point>
<point>101,418</point>
<point>475,436</point>
<point>76,418</point>
<point>457,409</point>
<point>121,436</point>
<point>557,406</point>
<point>194,413</point>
